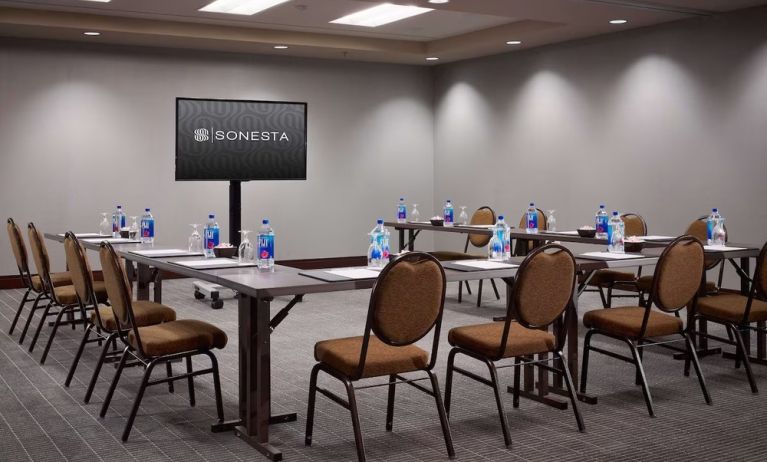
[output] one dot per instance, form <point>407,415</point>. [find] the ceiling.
<point>459,29</point>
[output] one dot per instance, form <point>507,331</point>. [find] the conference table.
<point>256,290</point>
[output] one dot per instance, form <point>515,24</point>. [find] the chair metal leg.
<point>78,355</point>
<point>29,318</point>
<point>137,402</point>
<point>190,380</point>
<point>585,360</point>
<point>610,297</point>
<point>746,362</point>
<point>449,379</point>
<point>390,403</point>
<point>460,291</point>
<point>499,402</point>
<point>97,370</point>
<point>517,377</point>
<point>637,379</point>
<point>468,287</point>
<point>310,406</point>
<point>113,385</point>
<point>602,296</point>
<point>40,326</point>
<point>571,391</point>
<point>641,375</point>
<point>442,415</point>
<point>169,370</point>
<point>495,289</point>
<point>18,311</point>
<point>64,310</point>
<point>479,293</point>
<point>355,420</point>
<point>217,387</point>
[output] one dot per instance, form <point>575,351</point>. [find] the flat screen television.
<point>220,139</point>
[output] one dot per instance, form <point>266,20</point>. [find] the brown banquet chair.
<point>103,324</point>
<point>542,295</point>
<point>64,297</point>
<point>406,304</point>
<point>737,313</point>
<point>676,283</point>
<point>32,282</point>
<point>482,216</point>
<point>156,344</point>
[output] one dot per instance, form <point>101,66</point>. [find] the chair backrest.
<point>634,224</point>
<point>19,250</point>
<point>80,271</point>
<point>543,287</point>
<point>678,274</point>
<point>482,216</point>
<point>41,258</point>
<point>118,290</point>
<point>699,230</point>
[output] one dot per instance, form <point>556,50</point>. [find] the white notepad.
<point>484,264</point>
<point>85,235</point>
<point>721,248</point>
<point>212,263</point>
<point>611,255</point>
<point>657,238</point>
<point>569,233</point>
<point>355,273</point>
<point>112,240</point>
<point>165,253</point>
<point>479,226</point>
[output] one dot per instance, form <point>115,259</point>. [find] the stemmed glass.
<point>195,240</point>
<point>551,221</point>
<point>105,227</point>
<point>415,215</point>
<point>133,230</point>
<point>246,253</point>
<point>463,217</point>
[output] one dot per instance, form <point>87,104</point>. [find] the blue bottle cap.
<point>532,204</point>
<point>379,221</point>
<point>119,206</point>
<point>449,200</point>
<point>402,198</point>
<point>265,221</point>
<point>715,210</point>
<point>146,210</point>
<point>601,206</point>
<point>615,212</point>
<point>211,216</point>
<point>500,217</point>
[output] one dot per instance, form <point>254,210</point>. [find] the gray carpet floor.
<point>41,420</point>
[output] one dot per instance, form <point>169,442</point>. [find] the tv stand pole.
<point>235,211</point>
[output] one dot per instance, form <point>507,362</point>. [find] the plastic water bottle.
<point>496,246</point>
<point>385,249</point>
<point>600,222</point>
<point>531,219</point>
<point>401,211</point>
<point>266,246</point>
<point>615,232</point>
<point>506,239</point>
<point>118,221</point>
<point>147,227</point>
<point>375,251</point>
<point>210,236</point>
<point>448,214</point>
<point>711,223</point>
<point>720,235</point>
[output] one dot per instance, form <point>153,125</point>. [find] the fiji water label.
<point>532,220</point>
<point>122,221</point>
<point>709,230</point>
<point>147,228</point>
<point>448,215</point>
<point>609,236</point>
<point>265,247</point>
<point>601,225</point>
<point>401,212</point>
<point>211,238</point>
<point>115,224</point>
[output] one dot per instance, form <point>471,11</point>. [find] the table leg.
<point>401,235</point>
<point>143,278</point>
<point>411,239</point>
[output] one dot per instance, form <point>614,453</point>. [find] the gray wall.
<point>83,129</point>
<point>666,121</point>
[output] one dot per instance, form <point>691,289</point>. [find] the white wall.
<point>83,129</point>
<point>666,121</point>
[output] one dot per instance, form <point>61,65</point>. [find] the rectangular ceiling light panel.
<point>243,7</point>
<point>379,15</point>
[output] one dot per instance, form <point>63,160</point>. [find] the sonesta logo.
<point>202,135</point>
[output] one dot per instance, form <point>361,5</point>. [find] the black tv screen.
<point>220,139</point>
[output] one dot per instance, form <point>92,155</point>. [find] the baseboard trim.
<point>15,282</point>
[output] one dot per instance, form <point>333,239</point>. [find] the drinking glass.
<point>415,215</point>
<point>133,230</point>
<point>463,218</point>
<point>105,227</point>
<point>551,221</point>
<point>195,240</point>
<point>246,253</point>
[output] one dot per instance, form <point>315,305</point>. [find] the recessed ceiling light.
<point>280,47</point>
<point>92,34</point>
<point>514,42</point>
<point>438,1</point>
<point>432,58</point>
<point>244,7</point>
<point>379,15</point>
<point>618,21</point>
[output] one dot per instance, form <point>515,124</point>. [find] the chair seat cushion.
<point>627,321</point>
<point>644,284</point>
<point>145,312</point>
<point>446,255</point>
<point>606,277</point>
<point>343,355</point>
<point>485,339</point>
<point>178,337</point>
<point>58,279</point>
<point>66,295</point>
<point>731,307</point>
